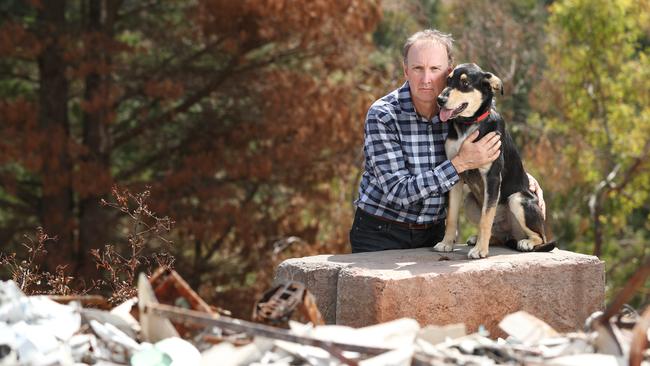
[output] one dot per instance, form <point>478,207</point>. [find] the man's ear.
<point>405,69</point>
<point>495,82</point>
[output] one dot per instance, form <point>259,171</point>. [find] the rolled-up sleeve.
<point>385,156</point>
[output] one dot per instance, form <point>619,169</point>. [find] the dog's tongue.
<point>445,114</point>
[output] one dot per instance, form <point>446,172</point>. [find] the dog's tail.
<point>544,247</point>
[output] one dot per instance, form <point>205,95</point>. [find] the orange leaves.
<point>239,114</point>
<point>16,113</point>
<point>164,89</point>
<point>17,41</point>
<point>102,102</point>
<point>21,139</point>
<point>90,67</point>
<point>91,178</point>
<point>262,169</point>
<point>305,21</point>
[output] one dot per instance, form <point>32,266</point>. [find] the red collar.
<point>482,116</point>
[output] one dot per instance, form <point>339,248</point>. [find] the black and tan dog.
<point>499,199</point>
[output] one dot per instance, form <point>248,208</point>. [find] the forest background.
<point>227,135</point>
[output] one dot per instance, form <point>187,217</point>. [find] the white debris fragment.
<point>32,342</point>
<point>435,334</point>
<point>35,329</point>
<point>569,344</point>
<point>181,351</point>
<point>591,359</point>
<point>115,337</point>
<point>393,334</point>
<point>83,347</point>
<point>123,311</point>
<point>313,355</point>
<point>226,354</point>
<point>126,325</point>
<point>39,311</point>
<point>526,328</point>
<point>398,357</point>
<point>154,328</point>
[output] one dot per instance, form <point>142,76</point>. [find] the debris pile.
<point>169,324</point>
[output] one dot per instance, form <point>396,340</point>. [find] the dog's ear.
<point>495,82</point>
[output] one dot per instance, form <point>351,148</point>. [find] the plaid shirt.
<point>407,172</point>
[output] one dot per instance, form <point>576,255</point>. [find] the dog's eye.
<point>465,83</point>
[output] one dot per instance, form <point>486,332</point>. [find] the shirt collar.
<point>406,104</point>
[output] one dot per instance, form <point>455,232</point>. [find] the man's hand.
<point>534,187</point>
<point>473,155</point>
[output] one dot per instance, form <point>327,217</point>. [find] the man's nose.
<point>428,76</point>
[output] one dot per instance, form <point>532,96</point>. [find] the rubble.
<point>169,325</point>
<point>278,304</point>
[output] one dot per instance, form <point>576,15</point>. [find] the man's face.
<point>426,71</point>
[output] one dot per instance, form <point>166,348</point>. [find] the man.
<point>402,201</point>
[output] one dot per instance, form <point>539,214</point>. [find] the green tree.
<point>505,38</point>
<point>594,105</point>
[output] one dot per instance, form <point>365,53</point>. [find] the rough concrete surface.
<point>560,287</point>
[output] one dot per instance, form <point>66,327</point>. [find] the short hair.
<point>431,35</point>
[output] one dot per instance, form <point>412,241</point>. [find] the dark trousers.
<point>371,234</point>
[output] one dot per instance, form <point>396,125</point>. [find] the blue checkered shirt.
<point>407,172</point>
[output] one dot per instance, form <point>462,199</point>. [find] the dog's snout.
<point>442,98</point>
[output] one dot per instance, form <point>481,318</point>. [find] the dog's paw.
<point>477,253</point>
<point>444,246</point>
<point>472,240</point>
<point>525,245</point>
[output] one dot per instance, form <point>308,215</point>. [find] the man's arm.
<point>534,187</point>
<point>386,159</point>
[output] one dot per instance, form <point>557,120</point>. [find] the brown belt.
<point>401,224</point>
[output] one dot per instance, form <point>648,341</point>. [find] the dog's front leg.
<point>451,227</point>
<point>492,187</point>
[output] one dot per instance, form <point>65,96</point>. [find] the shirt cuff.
<point>446,176</point>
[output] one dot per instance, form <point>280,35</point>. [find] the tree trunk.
<point>56,202</point>
<point>95,222</point>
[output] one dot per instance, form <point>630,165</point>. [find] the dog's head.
<point>469,92</point>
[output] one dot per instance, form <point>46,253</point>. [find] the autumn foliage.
<point>241,116</point>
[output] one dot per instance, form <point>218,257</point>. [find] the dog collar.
<point>482,116</point>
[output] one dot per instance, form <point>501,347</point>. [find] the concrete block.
<point>562,288</point>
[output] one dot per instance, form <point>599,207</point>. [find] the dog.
<point>498,197</point>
